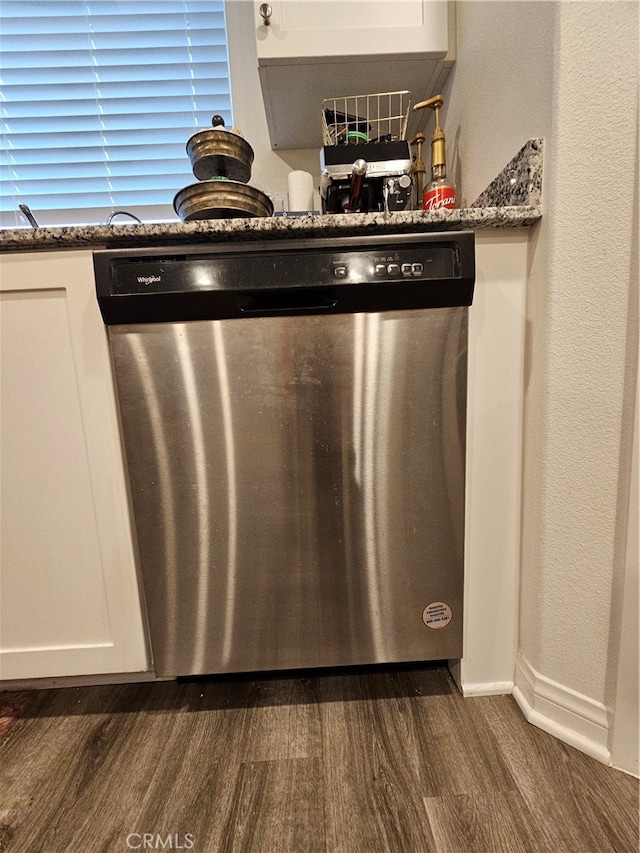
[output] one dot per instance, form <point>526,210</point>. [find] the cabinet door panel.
<point>69,600</point>
<point>49,533</point>
<point>302,29</point>
<point>351,15</point>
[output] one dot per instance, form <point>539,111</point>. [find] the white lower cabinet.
<point>69,595</point>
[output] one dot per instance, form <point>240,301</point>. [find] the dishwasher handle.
<point>285,300</point>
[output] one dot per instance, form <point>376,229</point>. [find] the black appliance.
<point>366,177</point>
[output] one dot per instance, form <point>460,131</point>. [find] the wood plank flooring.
<point>359,761</point>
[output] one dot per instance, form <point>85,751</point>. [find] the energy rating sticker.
<point>436,615</point>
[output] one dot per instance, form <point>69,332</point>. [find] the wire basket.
<point>365,118</point>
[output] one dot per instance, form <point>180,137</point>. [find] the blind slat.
<point>58,186</point>
<point>99,99</point>
<point>31,78</point>
<point>104,122</point>
<point>25,9</point>
<point>87,168</point>
<point>118,58</point>
<point>95,43</point>
<point>151,136</point>
<point>81,24</point>
<point>105,200</point>
<point>45,158</point>
<point>180,97</point>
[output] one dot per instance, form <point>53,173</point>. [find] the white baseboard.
<point>570,716</point>
<point>488,688</point>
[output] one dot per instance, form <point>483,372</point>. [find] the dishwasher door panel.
<point>297,487</point>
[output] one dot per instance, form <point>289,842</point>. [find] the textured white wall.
<point>499,93</point>
<point>580,395</point>
<point>568,72</point>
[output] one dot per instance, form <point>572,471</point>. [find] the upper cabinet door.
<point>300,29</point>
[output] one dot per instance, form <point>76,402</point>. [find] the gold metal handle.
<point>265,13</point>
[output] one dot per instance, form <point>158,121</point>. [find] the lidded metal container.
<point>221,160</point>
<point>220,152</point>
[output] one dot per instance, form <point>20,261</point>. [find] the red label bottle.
<point>439,195</point>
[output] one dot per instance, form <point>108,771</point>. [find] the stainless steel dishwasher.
<point>293,416</point>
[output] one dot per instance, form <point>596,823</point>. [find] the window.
<point>98,99</point>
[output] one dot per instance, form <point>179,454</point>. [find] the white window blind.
<point>98,99</point>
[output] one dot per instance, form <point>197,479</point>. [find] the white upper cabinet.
<point>312,50</point>
<point>351,28</point>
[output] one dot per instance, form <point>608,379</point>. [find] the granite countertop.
<point>512,200</point>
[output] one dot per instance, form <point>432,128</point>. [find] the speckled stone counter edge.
<point>519,183</point>
<point>512,200</point>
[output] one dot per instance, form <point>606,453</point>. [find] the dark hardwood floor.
<point>350,762</point>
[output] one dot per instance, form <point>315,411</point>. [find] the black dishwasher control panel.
<point>343,275</point>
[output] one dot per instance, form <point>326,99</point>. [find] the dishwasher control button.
<point>380,269</point>
<point>417,269</point>
<point>340,272</point>
<point>406,269</point>
<point>393,269</point>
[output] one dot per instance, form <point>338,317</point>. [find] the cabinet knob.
<point>266,11</point>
